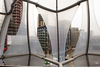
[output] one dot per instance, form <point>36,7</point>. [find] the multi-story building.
<point>74,36</point>
<point>43,35</point>
<point>44,38</point>
<point>16,18</point>
<point>15,21</point>
<point>68,42</point>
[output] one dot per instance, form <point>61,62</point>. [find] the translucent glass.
<point>80,61</point>
<point>8,4</point>
<point>2,6</point>
<point>94,60</point>
<point>71,64</point>
<point>3,33</point>
<point>82,42</point>
<point>96,3</point>
<point>19,44</point>
<point>1,20</point>
<point>1,62</point>
<point>18,60</point>
<point>34,42</point>
<point>64,20</point>
<point>94,44</point>
<point>35,61</point>
<point>4,27</point>
<point>51,4</point>
<point>65,3</point>
<point>50,21</point>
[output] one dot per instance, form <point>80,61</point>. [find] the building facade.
<point>74,36</point>
<point>43,35</point>
<point>44,38</point>
<point>15,21</point>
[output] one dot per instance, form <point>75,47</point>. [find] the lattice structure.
<point>25,49</point>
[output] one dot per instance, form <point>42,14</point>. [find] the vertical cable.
<point>57,28</point>
<point>88,26</point>
<point>28,35</point>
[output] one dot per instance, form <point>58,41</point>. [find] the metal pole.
<point>57,28</point>
<point>87,59</point>
<point>28,36</point>
<point>88,25</point>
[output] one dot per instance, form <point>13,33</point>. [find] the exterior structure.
<point>14,23</point>
<point>43,35</point>
<point>15,19</point>
<point>74,36</point>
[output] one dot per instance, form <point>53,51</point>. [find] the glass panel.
<point>1,62</point>
<point>19,44</point>
<point>51,4</point>
<point>8,4</point>
<point>96,3</point>
<point>34,42</point>
<point>65,3</point>
<point>50,21</point>
<point>71,64</point>
<point>81,45</point>
<point>18,60</point>
<point>94,44</point>
<point>35,61</point>
<point>80,61</point>
<point>3,32</point>
<point>94,60</point>
<point>64,20</point>
<point>1,20</point>
<point>2,6</point>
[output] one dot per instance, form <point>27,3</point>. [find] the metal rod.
<point>46,59</point>
<point>71,6</point>
<point>50,60</point>
<point>72,59</point>
<point>36,55</point>
<point>14,55</point>
<point>57,28</point>
<point>38,5</point>
<point>87,59</point>
<point>88,25</point>
<point>43,7</point>
<point>93,54</point>
<point>28,35</point>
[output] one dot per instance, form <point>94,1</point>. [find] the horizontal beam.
<point>72,59</point>
<point>43,7</point>
<point>93,54</point>
<point>71,6</point>
<point>38,5</point>
<point>8,56</point>
<point>46,59</point>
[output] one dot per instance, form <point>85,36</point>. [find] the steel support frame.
<point>28,34</point>
<point>60,64</point>
<point>43,7</point>
<point>88,27</point>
